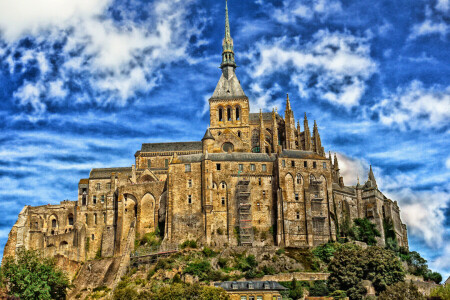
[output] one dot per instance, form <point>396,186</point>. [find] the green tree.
<point>326,251</point>
<point>433,276</point>
<point>365,231</point>
<point>401,291</point>
<point>32,276</point>
<point>352,265</point>
<point>442,291</point>
<point>418,264</point>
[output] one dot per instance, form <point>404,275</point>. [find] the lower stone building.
<point>252,290</point>
<point>255,179</point>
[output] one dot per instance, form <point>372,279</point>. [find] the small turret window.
<point>238,114</point>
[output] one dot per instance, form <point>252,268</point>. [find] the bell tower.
<point>229,106</point>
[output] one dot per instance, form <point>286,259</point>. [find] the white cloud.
<point>447,163</point>
<point>109,61</point>
<point>429,27</point>
<point>443,5</point>
<point>306,10</point>
<point>333,66</point>
<point>351,169</point>
<point>415,107</point>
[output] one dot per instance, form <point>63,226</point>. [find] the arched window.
<point>54,223</point>
<point>238,115</point>
<point>229,114</point>
<point>220,114</point>
<point>239,134</point>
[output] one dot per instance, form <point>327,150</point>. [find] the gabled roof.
<point>106,173</point>
<point>230,88</point>
<point>250,285</point>
<point>242,156</point>
<point>172,147</point>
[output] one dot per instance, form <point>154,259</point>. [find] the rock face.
<point>255,180</point>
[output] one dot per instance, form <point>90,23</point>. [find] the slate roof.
<point>208,135</point>
<point>254,117</point>
<point>236,156</point>
<point>227,88</point>
<point>191,158</point>
<point>301,154</point>
<point>345,189</point>
<point>246,285</point>
<point>106,173</point>
<point>84,181</point>
<point>172,147</point>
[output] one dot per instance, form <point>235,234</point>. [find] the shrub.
<point>401,291</point>
<point>222,262</point>
<point>280,251</point>
<point>433,276</point>
<point>442,291</point>
<point>127,293</point>
<point>269,270</point>
<point>208,252</point>
<point>32,276</point>
<point>325,252</point>
<point>338,294</point>
<point>319,288</point>
<point>188,244</point>
<point>365,231</point>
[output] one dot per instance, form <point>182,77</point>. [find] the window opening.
<point>189,199</point>
<point>314,165</point>
<point>166,163</point>
<point>264,168</point>
<point>187,167</point>
<point>220,114</point>
<point>218,167</point>
<point>293,163</point>
<point>237,115</point>
<point>229,114</point>
<point>252,167</point>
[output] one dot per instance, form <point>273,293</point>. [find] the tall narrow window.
<point>241,167</point>
<point>259,181</point>
<point>223,201</point>
<point>298,216</point>
<point>98,186</point>
<point>218,167</point>
<point>229,114</point>
<point>149,164</point>
<point>86,218</point>
<point>103,199</point>
<point>283,163</point>
<point>190,183</point>
<point>220,114</point>
<point>314,165</point>
<point>296,197</point>
<point>239,134</point>
<point>189,199</point>
<point>252,167</point>
<point>104,218</point>
<point>166,163</point>
<point>264,168</point>
<point>324,166</point>
<point>305,164</point>
<point>237,114</point>
<point>54,223</point>
<point>95,219</point>
<point>293,163</point>
<point>70,219</point>
<point>94,199</point>
<point>187,167</point>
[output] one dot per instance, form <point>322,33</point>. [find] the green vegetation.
<point>442,291</point>
<point>189,244</point>
<point>33,277</point>
<point>417,265</point>
<point>364,231</point>
<point>390,238</point>
<point>351,265</point>
<point>401,291</point>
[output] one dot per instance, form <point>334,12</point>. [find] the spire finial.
<point>288,103</point>
<point>227,45</point>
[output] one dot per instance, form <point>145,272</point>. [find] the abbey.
<point>254,179</point>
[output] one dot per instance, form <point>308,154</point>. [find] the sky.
<point>83,83</point>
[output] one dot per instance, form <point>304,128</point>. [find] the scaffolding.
<point>245,213</point>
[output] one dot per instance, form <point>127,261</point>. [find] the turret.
<point>262,138</point>
<point>317,142</point>
<point>371,182</point>
<point>307,134</point>
<point>228,64</point>
<point>299,136</point>
<point>275,141</point>
<point>207,142</point>
<point>289,123</point>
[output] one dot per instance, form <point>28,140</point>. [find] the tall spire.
<point>372,178</point>
<point>227,45</point>
<point>288,103</point>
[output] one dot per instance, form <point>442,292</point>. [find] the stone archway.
<point>146,214</point>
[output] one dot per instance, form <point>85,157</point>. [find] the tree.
<point>365,231</point>
<point>352,265</point>
<point>442,291</point>
<point>401,291</point>
<point>433,276</point>
<point>32,276</point>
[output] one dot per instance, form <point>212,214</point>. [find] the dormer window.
<point>251,285</point>
<point>234,286</point>
<point>266,286</point>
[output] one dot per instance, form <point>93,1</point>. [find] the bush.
<point>365,231</point>
<point>401,291</point>
<point>208,252</point>
<point>338,294</point>
<point>222,262</point>
<point>189,244</point>
<point>280,251</point>
<point>325,252</point>
<point>319,289</point>
<point>32,276</point>
<point>127,293</point>
<point>442,291</point>
<point>433,276</point>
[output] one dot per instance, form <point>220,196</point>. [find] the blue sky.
<point>84,82</point>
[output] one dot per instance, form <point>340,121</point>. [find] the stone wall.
<point>299,276</point>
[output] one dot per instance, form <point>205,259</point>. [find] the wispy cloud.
<point>416,107</point>
<point>333,66</point>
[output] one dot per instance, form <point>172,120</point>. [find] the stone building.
<point>254,179</point>
<point>252,290</point>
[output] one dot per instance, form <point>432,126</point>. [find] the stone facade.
<point>255,179</point>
